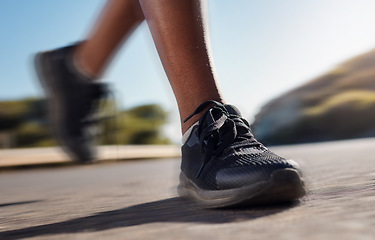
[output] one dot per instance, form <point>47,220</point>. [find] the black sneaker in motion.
<point>224,165</point>
<point>72,102</point>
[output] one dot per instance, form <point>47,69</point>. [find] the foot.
<point>72,101</point>
<point>224,165</point>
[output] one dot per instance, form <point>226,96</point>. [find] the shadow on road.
<point>168,210</point>
<point>18,203</point>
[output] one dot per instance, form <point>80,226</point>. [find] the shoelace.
<point>218,129</point>
<point>99,111</point>
<point>94,104</point>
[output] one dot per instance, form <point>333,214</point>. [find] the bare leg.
<point>180,32</point>
<point>117,21</point>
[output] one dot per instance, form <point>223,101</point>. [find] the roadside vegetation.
<point>23,123</point>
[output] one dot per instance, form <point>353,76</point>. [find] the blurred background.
<point>301,71</point>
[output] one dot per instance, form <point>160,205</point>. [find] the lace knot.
<point>219,128</point>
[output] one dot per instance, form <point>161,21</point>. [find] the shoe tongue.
<point>232,109</point>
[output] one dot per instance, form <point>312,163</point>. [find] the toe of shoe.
<point>236,177</point>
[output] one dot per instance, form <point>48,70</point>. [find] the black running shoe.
<point>72,102</point>
<point>224,165</point>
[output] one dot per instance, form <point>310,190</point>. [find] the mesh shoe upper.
<point>221,152</point>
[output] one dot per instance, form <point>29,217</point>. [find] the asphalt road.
<point>138,200</point>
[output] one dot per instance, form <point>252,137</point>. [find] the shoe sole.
<point>284,185</point>
<point>43,71</point>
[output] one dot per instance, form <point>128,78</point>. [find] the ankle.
<point>185,125</point>
<point>83,66</point>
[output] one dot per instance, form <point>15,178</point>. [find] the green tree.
<point>139,125</point>
<point>25,120</point>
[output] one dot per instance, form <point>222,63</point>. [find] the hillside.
<point>338,105</point>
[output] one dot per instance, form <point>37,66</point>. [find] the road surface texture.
<point>138,200</point>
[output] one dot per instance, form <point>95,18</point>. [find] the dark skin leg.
<point>116,23</point>
<point>180,32</point>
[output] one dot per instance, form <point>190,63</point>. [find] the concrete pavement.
<point>137,200</point>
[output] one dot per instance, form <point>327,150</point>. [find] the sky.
<point>261,49</point>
